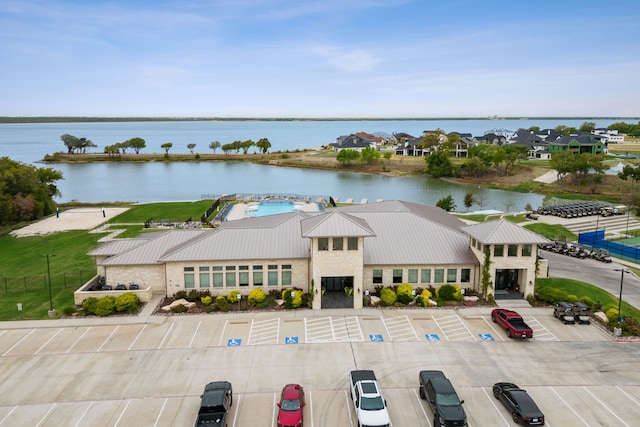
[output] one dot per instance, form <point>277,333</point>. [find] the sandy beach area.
<point>71,219</point>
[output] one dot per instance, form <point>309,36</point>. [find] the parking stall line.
<point>166,335</point>
<point>8,415</point>
<point>491,398</point>
<point>122,413</point>
<point>451,327</point>
<point>540,333</point>
<point>136,338</point>
<point>400,329</point>
<point>160,412</point>
<point>235,416</point>
<point>78,340</point>
<point>496,334</point>
<point>79,422</point>
<point>224,328</point>
<point>631,398</point>
<point>44,418</point>
<point>426,416</point>
<point>48,341</point>
<point>352,325</point>
<point>604,406</point>
<point>318,329</point>
<point>569,406</point>
<point>311,408</point>
<point>195,333</point>
<point>347,398</point>
<point>18,343</point>
<point>108,338</point>
<point>273,410</point>
<point>264,331</point>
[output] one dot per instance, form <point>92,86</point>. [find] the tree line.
<point>79,145</point>
<point>26,192</point>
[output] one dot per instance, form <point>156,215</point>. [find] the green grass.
<point>174,211</point>
<point>552,231</point>
<point>582,289</point>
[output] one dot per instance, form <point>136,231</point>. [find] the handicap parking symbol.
<point>234,342</point>
<point>486,337</point>
<point>432,337</point>
<point>291,340</point>
<point>376,338</point>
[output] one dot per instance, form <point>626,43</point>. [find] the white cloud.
<point>346,60</point>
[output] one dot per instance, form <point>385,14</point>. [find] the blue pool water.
<point>271,208</point>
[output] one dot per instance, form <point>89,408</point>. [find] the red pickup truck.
<point>512,322</point>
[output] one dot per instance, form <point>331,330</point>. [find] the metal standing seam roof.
<point>151,252</point>
<point>503,232</point>
<point>118,246</point>
<point>335,223</point>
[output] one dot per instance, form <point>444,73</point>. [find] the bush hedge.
<point>388,296</point>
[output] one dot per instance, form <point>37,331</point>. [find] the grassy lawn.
<point>552,231</point>
<point>581,289</point>
<point>174,211</point>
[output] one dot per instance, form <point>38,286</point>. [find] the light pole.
<point>622,271</point>
<point>52,312</point>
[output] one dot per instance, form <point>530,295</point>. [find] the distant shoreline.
<point>93,119</point>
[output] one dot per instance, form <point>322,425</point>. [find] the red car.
<point>291,404</point>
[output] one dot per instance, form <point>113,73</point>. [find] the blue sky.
<point>328,58</point>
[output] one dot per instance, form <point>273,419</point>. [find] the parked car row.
<point>577,251</point>
<point>577,312</point>
<point>576,209</point>
<point>370,406</point>
<point>447,408</point>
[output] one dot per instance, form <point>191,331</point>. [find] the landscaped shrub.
<point>612,315</point>
<point>69,310</point>
<point>388,296</point>
<point>221,304</point>
<point>89,305</point>
<point>588,301</point>
<point>106,306</point>
<point>290,301</point>
<point>178,308</point>
<point>206,300</point>
<point>405,293</point>
<point>422,300</point>
<point>256,296</point>
<point>233,296</point>
<point>128,302</point>
<point>446,293</point>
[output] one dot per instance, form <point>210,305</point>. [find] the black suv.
<point>216,401</point>
<point>445,404</point>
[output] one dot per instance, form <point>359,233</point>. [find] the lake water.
<point>146,182</point>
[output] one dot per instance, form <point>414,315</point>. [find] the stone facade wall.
<point>143,275</point>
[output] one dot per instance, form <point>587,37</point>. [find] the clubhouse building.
<point>360,246</point>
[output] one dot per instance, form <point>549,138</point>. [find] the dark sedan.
<point>519,403</point>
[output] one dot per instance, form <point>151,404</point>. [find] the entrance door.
<point>506,279</point>
<point>337,283</point>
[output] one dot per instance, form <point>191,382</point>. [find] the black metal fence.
<point>76,279</point>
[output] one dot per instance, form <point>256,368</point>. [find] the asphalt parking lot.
<point>151,371</point>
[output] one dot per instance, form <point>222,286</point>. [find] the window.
<point>473,242</point>
<point>397,275</point>
<point>205,278</point>
<point>243,278</point>
<point>231,280</point>
<point>526,250</point>
<point>498,250</point>
<point>286,278</point>
<point>452,275</point>
<point>337,243</point>
<point>352,243</point>
<point>272,278</point>
<point>465,275</point>
<point>413,275</point>
<point>257,275</point>
<point>189,277</point>
<point>218,281</point>
<point>286,266</point>
<point>438,275</point>
<point>323,244</point>
<point>512,250</point>
<point>425,275</point>
<point>377,276</point>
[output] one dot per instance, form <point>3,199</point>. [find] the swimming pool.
<point>270,207</point>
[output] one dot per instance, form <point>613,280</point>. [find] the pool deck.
<point>239,210</point>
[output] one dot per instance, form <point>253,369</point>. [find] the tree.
<point>263,144</point>
<point>136,143</point>
<point>227,147</point>
<point>369,154</point>
<point>245,145</point>
<point>587,127</point>
<point>387,155</point>
<point>446,203</point>
<point>166,147</point>
<point>347,155</point>
<point>191,146</point>
<point>76,145</point>
<point>468,200</point>
<point>111,150</point>
<point>26,192</point>
<point>214,146</point>
<point>438,164</point>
